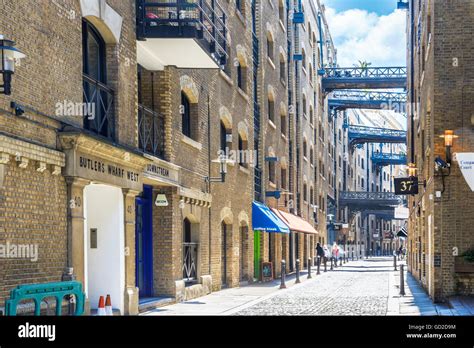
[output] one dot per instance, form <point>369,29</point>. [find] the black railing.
<point>190,261</point>
<point>205,16</point>
<point>151,131</point>
<point>100,98</point>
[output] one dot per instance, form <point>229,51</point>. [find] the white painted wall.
<point>105,266</point>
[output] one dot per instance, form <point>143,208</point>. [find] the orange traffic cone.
<point>101,309</point>
<point>108,306</point>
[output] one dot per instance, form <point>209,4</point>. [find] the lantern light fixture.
<point>448,137</point>
<point>9,55</point>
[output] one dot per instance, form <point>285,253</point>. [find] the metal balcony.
<point>363,134</point>
<point>151,131</point>
<point>368,200</point>
<point>183,33</point>
<point>386,214</point>
<point>364,78</point>
<point>386,159</point>
<point>348,99</point>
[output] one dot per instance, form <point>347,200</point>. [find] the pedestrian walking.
<point>319,254</point>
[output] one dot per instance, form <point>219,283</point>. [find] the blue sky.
<point>370,30</point>
<point>381,7</point>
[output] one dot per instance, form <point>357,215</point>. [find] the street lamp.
<point>222,160</point>
<point>449,137</point>
<point>8,56</point>
<point>411,169</point>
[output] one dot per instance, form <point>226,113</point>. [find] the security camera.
<point>440,163</point>
<point>18,109</point>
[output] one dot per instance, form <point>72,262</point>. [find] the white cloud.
<point>360,35</point>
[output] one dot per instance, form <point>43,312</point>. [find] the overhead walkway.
<point>364,78</point>
<point>363,134</point>
<point>356,99</point>
<point>385,159</point>
<point>361,200</point>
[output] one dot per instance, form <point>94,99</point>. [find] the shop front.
<point>102,183</point>
<point>264,220</point>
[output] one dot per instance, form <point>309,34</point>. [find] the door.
<point>256,254</point>
<point>143,243</point>
<point>224,255</point>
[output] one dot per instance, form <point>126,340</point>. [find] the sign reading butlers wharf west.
<point>101,163</point>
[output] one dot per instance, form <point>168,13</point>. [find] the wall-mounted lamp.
<point>222,160</point>
<point>449,137</point>
<point>8,57</point>
<point>411,169</point>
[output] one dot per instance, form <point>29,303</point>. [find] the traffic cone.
<point>108,306</point>
<point>101,309</point>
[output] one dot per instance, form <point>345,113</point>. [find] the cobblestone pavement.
<point>358,288</point>
<point>361,287</point>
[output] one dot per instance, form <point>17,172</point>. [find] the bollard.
<point>325,264</point>
<point>402,281</point>
<point>297,271</point>
<point>332,260</point>
<point>283,274</point>
<point>309,268</point>
<point>340,261</point>
<point>318,265</point>
<point>394,262</point>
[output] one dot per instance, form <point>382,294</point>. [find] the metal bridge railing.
<point>380,157</point>
<point>369,96</point>
<point>375,72</point>
<point>355,131</point>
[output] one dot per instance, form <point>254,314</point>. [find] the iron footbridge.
<point>364,78</point>
<point>355,99</point>
<point>363,134</point>
<point>362,200</point>
<point>385,159</point>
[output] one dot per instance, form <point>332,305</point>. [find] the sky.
<point>367,30</point>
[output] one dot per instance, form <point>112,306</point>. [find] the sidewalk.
<point>229,301</point>
<point>417,302</point>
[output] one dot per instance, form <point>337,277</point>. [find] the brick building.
<point>441,93</point>
<point>125,125</point>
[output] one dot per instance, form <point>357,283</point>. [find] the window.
<point>283,123</point>
<point>185,115</point>
<point>303,59</point>
<point>271,171</point>
<point>305,148</point>
<point>282,68</point>
<point>362,163</point>
<point>271,110</point>
<point>304,105</point>
<point>229,63</point>
<point>242,77</point>
<point>281,11</point>
<point>311,155</point>
<point>340,161</point>
<point>362,182</point>
<point>269,47</point>
<point>223,137</point>
<point>340,135</point>
<point>242,149</point>
<point>283,178</point>
<point>305,192</point>
<point>96,91</point>
<point>311,196</point>
<point>311,114</point>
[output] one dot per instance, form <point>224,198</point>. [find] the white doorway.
<point>104,244</point>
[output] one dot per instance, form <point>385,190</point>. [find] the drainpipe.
<point>209,171</point>
<point>412,80</point>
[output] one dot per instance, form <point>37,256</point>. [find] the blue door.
<point>144,242</point>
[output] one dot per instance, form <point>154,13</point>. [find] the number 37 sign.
<point>406,186</point>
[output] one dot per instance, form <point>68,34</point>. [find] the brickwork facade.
<point>440,93</point>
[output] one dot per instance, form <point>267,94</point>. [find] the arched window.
<point>283,123</point>
<point>305,148</point>
<point>281,11</point>
<point>242,77</point>
<point>305,192</point>
<point>303,60</point>
<point>223,137</point>
<point>271,109</point>
<point>185,115</point>
<point>311,155</point>
<point>243,145</point>
<point>269,46</point>
<point>282,68</point>
<point>283,178</point>
<point>96,91</point>
<point>362,182</point>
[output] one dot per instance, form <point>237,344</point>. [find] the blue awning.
<point>263,219</point>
